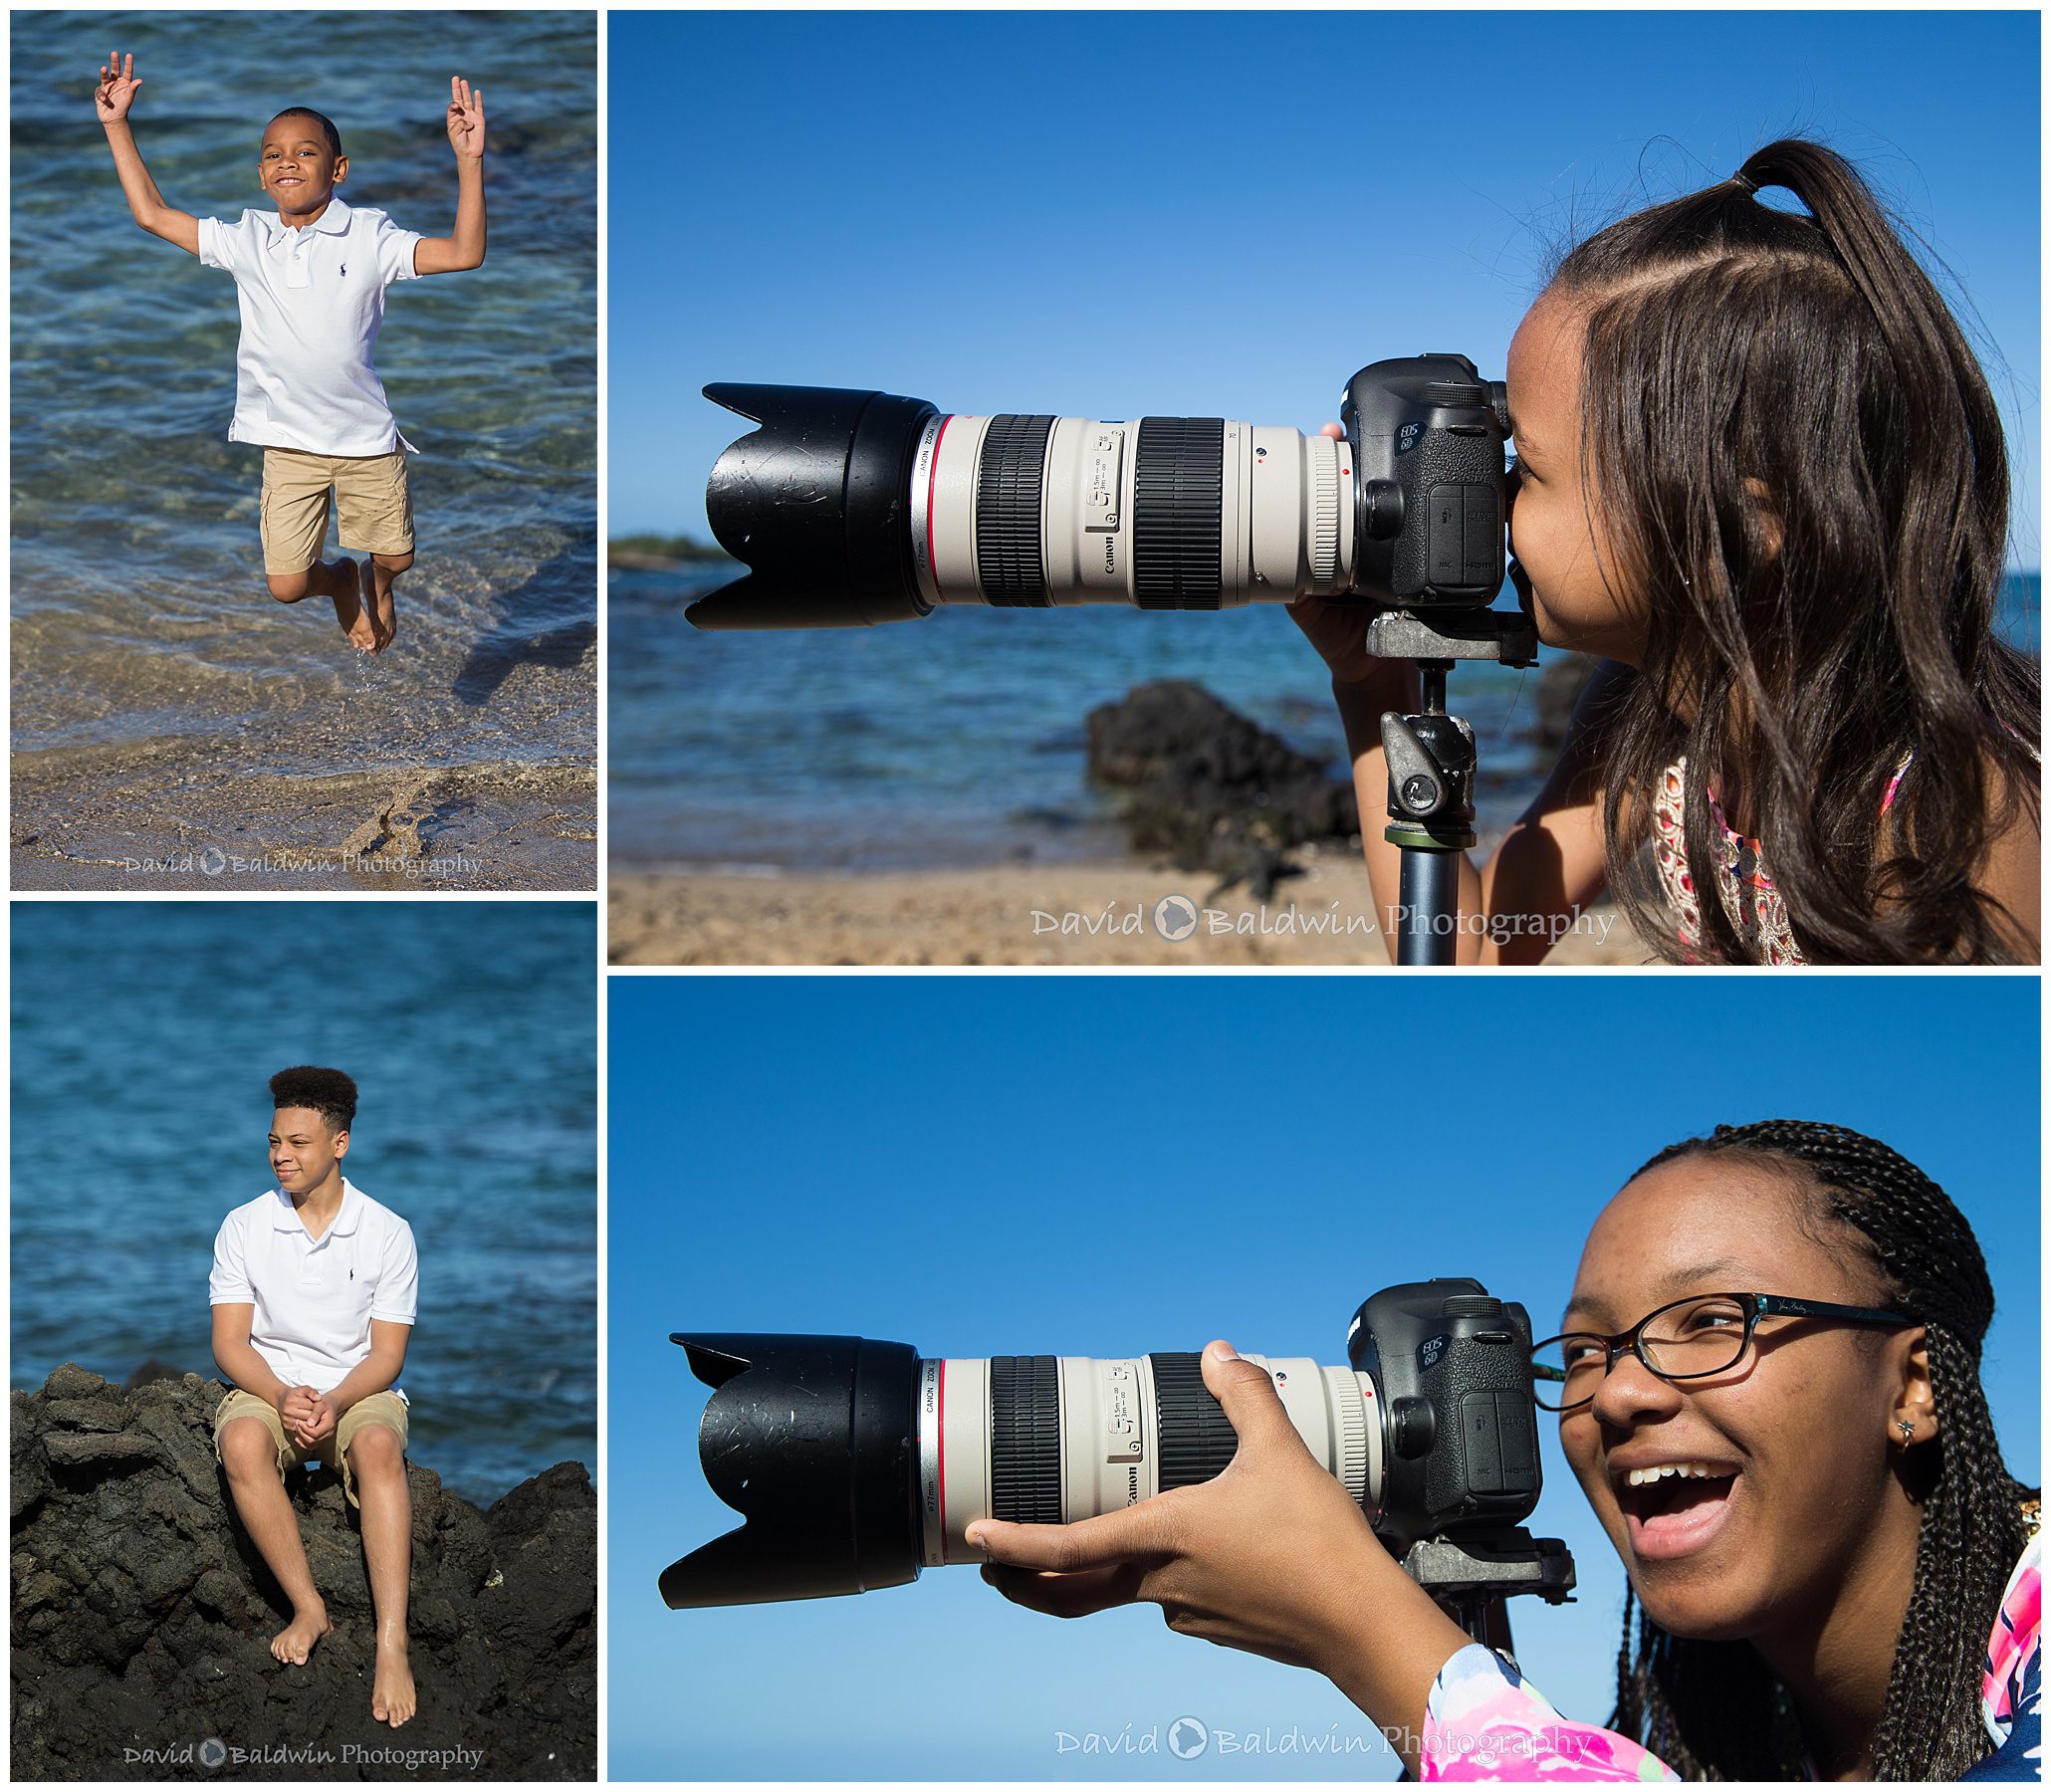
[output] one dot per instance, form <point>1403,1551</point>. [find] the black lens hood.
<point>814,1442</point>
<point>816,503</point>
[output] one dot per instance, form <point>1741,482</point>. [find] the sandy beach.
<point>1022,914</point>
<point>152,817</point>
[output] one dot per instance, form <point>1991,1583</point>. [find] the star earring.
<point>1907,1430</point>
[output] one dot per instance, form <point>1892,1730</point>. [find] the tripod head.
<point>1474,1576</point>
<point>1432,759</point>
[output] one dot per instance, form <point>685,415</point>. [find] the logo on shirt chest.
<point>343,271</point>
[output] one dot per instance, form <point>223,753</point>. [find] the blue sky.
<point>1108,1165</point>
<point>1226,213</point>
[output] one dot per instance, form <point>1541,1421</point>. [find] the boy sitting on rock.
<point>312,1291</point>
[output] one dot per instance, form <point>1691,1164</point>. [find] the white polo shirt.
<point>314,1299</point>
<point>312,300</point>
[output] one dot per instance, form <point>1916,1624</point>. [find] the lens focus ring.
<point>1177,509</point>
<point>1196,1439</point>
<point>1010,486</point>
<point>1025,1440</point>
<point>1325,512</point>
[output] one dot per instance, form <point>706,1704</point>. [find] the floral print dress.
<point>1485,1721</point>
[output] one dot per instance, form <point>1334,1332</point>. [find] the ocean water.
<point>958,739</point>
<point>144,1037</point>
<point>145,644</point>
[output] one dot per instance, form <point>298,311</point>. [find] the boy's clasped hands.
<point>309,1419</point>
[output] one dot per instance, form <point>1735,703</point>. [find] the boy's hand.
<point>116,91</point>
<point>321,1429</point>
<point>310,1417</point>
<point>466,118</point>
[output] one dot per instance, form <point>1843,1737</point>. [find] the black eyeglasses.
<point>1703,1334</point>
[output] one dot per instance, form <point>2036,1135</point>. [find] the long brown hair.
<point>1803,468</point>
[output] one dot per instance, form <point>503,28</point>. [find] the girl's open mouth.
<point>1679,1512</point>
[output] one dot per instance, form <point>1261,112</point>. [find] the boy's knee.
<point>394,562</point>
<point>374,1451</point>
<point>288,587</point>
<point>248,1449</point>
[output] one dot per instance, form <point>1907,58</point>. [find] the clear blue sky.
<point>1108,1165</point>
<point>1225,213</point>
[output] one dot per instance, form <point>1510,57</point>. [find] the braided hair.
<point>1713,1710</point>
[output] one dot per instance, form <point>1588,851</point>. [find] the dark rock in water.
<point>151,1369</point>
<point>1560,686</point>
<point>142,1616</point>
<point>1210,789</point>
<point>1034,816</point>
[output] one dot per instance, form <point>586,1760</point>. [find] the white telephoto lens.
<point>1056,1440</point>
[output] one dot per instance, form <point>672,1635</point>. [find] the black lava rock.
<point>1212,789</point>
<point>142,1616</point>
<point>1560,686</point>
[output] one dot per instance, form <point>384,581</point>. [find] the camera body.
<point>1454,1366</point>
<point>855,508</point>
<point>1430,482</point>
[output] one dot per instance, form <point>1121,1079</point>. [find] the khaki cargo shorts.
<point>385,1408</point>
<point>375,507</point>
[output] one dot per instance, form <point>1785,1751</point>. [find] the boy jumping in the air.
<point>314,1292</point>
<point>312,279</point>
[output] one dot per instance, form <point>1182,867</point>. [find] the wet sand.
<point>1071,914</point>
<point>168,817</point>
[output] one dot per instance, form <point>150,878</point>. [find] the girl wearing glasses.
<point>1771,1395</point>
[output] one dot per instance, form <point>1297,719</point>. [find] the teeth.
<point>1644,1477</point>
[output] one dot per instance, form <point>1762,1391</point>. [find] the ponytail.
<point>1802,466</point>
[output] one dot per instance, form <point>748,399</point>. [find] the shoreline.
<point>1087,911</point>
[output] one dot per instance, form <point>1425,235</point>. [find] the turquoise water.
<point>139,611</point>
<point>958,739</point>
<point>144,1037</point>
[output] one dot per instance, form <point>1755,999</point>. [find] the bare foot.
<point>392,1692</point>
<point>382,606</point>
<point>350,610</point>
<point>295,1641</point>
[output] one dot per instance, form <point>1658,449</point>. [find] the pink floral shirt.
<point>1741,879</point>
<point>1484,1722</point>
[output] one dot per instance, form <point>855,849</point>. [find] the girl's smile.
<point>1781,1489</point>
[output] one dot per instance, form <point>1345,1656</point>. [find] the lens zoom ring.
<point>1010,486</point>
<point>1178,505</point>
<point>1196,1439</point>
<point>1025,1440</point>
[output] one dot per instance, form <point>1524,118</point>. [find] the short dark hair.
<point>330,1093</point>
<point>326,123</point>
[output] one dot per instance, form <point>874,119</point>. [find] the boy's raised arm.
<point>453,254</point>
<point>116,94</point>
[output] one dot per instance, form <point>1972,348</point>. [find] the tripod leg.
<point>1431,908</point>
